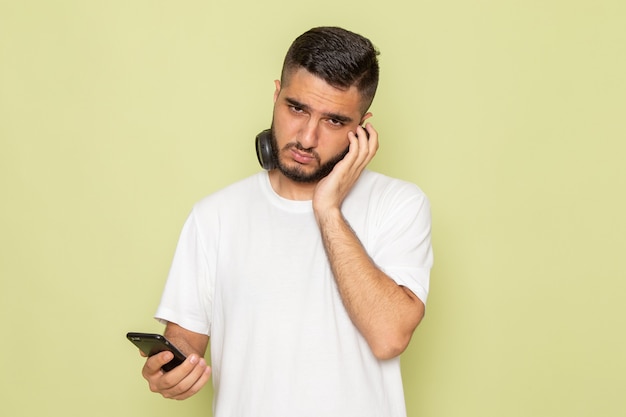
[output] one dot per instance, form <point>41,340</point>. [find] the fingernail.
<point>193,359</point>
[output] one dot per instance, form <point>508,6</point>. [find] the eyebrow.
<point>339,117</point>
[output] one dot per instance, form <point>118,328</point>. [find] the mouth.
<point>301,157</point>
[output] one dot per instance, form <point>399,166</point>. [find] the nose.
<point>308,134</point>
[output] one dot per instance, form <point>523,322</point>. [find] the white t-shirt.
<point>251,272</point>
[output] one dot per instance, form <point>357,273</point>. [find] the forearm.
<point>187,341</point>
<point>385,313</point>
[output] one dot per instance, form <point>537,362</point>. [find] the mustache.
<point>302,149</point>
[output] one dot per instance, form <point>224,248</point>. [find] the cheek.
<point>284,131</point>
<point>334,144</point>
<point>284,122</point>
<point>278,125</point>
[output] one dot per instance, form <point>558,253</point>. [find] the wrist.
<point>326,215</point>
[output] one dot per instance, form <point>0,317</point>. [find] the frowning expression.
<point>311,123</point>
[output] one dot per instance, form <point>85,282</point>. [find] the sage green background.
<point>116,116</point>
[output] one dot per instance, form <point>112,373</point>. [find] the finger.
<point>161,381</point>
<point>154,363</point>
<point>373,135</point>
<point>195,381</point>
<point>362,132</point>
<point>353,148</point>
<point>191,381</point>
<point>372,143</point>
<point>360,138</point>
<point>364,148</point>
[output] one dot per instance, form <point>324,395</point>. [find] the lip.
<point>301,157</point>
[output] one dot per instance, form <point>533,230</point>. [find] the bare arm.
<point>188,342</point>
<point>186,379</point>
<point>385,313</point>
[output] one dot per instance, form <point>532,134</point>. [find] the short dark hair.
<point>341,58</point>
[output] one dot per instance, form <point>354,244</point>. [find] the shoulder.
<point>379,198</point>
<point>233,194</point>
<point>375,186</point>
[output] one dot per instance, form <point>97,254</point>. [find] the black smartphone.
<point>151,344</point>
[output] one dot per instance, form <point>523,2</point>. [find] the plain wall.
<point>116,116</point>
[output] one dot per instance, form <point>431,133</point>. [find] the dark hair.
<point>341,58</point>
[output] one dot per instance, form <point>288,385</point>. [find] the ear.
<point>365,117</point>
<point>277,91</point>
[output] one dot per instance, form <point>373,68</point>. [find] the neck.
<point>290,189</point>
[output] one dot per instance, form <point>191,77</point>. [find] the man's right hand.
<point>181,382</point>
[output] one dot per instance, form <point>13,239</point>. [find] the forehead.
<point>313,91</point>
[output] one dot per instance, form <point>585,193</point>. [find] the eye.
<point>335,122</point>
<point>296,109</point>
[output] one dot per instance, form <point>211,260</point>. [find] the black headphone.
<point>264,149</point>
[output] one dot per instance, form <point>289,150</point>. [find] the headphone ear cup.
<point>264,149</point>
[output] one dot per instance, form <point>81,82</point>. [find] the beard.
<point>296,173</point>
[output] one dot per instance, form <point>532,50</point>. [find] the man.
<point>310,278</point>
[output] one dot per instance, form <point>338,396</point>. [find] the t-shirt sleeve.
<point>405,251</point>
<point>187,297</point>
